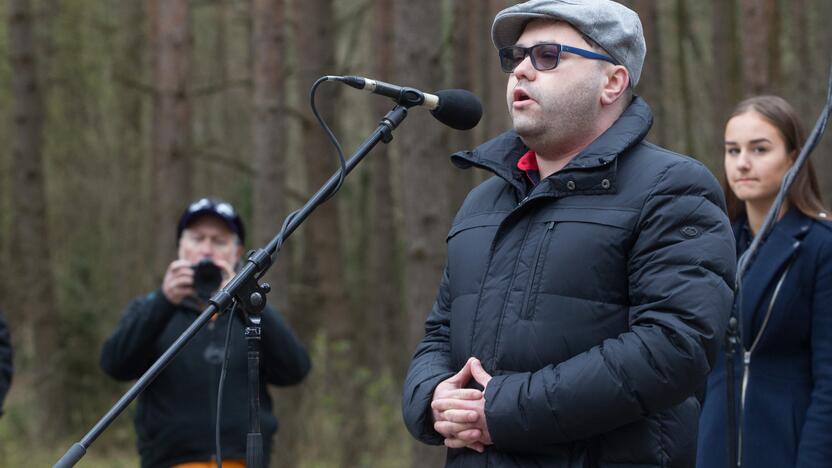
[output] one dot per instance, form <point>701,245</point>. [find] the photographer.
<point>175,417</point>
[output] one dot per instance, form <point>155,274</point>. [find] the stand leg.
<point>254,441</point>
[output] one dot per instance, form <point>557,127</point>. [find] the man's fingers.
<point>457,442</point>
<point>478,372</point>
<point>469,436</point>
<point>460,394</point>
<point>478,446</point>
<point>179,265</point>
<point>445,404</point>
<point>451,429</point>
<point>463,376</point>
<point>460,416</point>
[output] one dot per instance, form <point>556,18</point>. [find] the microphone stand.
<point>243,289</point>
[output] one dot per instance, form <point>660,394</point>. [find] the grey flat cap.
<point>613,26</point>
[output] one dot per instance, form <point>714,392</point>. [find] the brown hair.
<point>804,193</point>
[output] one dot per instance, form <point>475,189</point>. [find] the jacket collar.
<point>768,264</point>
<point>500,155</point>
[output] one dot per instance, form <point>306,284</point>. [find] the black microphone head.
<point>458,108</point>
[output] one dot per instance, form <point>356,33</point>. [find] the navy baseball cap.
<point>217,208</point>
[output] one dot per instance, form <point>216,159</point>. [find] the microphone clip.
<point>402,95</point>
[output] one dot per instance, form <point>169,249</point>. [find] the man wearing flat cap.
<point>176,415</point>
<point>588,281</point>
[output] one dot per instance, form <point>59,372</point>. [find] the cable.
<point>222,383</point>
<point>342,170</point>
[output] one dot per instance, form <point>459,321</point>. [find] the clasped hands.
<point>458,412</point>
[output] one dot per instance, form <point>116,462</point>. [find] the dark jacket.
<point>788,403</point>
<point>176,414</point>
<point>6,367</point>
<point>596,300</point>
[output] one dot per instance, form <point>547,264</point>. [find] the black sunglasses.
<point>543,56</point>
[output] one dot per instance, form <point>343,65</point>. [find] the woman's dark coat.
<point>788,406</point>
<point>597,300</point>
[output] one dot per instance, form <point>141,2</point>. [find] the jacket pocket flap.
<point>477,220</point>
<point>620,218</point>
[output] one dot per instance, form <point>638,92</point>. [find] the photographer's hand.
<point>178,282</point>
<point>227,269</point>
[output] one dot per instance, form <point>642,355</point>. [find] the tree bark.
<point>323,272</point>
<point>759,39</point>
<point>383,294</point>
<point>652,81</point>
<point>496,118</point>
<point>171,122</point>
<point>269,135</point>
<point>682,23</point>
<point>726,75</point>
<point>33,300</point>
<point>465,44</point>
<point>425,170</point>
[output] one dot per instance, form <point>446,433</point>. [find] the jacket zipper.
<point>526,312</point>
<point>746,361</point>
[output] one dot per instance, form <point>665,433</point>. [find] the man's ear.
<point>617,82</point>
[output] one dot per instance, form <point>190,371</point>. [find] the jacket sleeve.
<point>680,267</point>
<point>6,367</point>
<point>431,364</point>
<point>285,360</point>
<point>129,351</point>
<point>815,448</point>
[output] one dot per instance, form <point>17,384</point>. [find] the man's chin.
<point>528,133</point>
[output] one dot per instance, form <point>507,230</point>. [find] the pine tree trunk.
<point>269,134</point>
<point>651,86</point>
<point>759,39</point>
<point>425,173</point>
<point>465,44</point>
<point>171,123</point>
<point>322,269</point>
<point>32,306</point>
<point>383,296</point>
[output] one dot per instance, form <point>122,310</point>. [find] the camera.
<point>207,278</point>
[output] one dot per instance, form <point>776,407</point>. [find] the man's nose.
<point>206,248</point>
<point>525,69</point>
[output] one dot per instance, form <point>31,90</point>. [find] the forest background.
<point>116,113</point>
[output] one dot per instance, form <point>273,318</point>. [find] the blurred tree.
<point>382,293</point>
<point>760,41</point>
<point>32,305</point>
<point>324,296</point>
<point>269,135</point>
<point>652,87</point>
<point>417,35</point>
<point>171,45</point>
<point>465,44</point>
<point>725,77</point>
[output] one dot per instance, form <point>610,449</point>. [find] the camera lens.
<point>207,278</point>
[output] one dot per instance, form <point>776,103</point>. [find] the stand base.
<point>254,451</point>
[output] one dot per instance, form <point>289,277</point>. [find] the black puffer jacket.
<point>597,301</point>
<point>176,415</point>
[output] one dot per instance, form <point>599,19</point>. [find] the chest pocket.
<point>583,255</point>
<point>469,242</point>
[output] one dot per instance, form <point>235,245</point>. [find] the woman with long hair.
<point>783,362</point>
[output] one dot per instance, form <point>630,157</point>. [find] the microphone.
<point>456,108</point>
